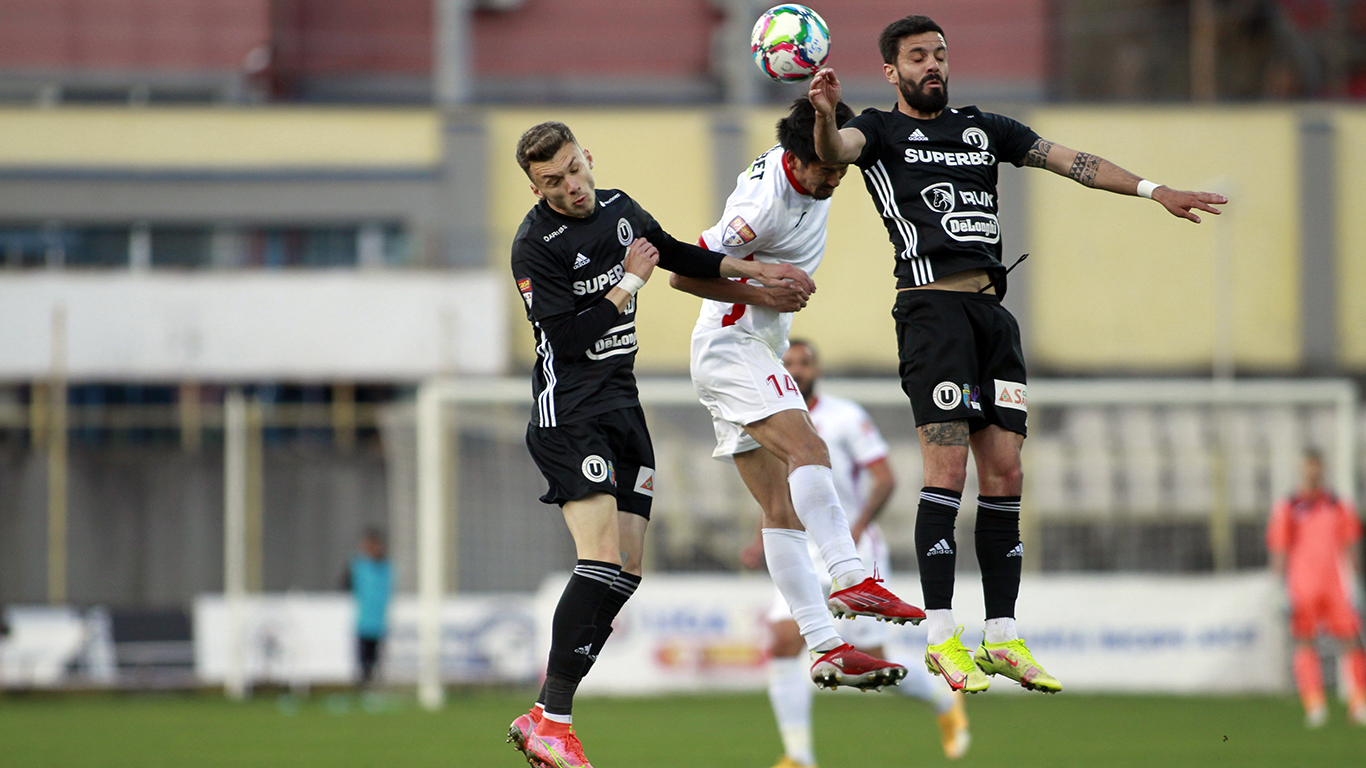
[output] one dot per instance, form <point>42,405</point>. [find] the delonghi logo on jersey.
<point>972,226</point>
<point>624,233</point>
<point>619,340</point>
<point>948,396</point>
<point>917,135</point>
<point>738,232</point>
<point>607,279</point>
<point>524,285</point>
<point>949,158</point>
<point>939,197</point>
<point>976,137</point>
<point>595,468</point>
<point>556,233</point>
<point>1011,394</point>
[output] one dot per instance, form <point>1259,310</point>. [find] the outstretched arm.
<point>783,298</point>
<point>1094,171</point>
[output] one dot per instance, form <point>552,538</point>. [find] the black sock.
<point>571,634</point>
<point>621,591</point>
<point>934,544</point>
<point>999,553</point>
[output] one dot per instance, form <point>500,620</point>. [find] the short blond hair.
<point>541,143</point>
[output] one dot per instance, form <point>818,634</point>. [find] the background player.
<point>777,214</point>
<point>858,459</point>
<point>932,173</point>
<point>578,261</point>
<point>1312,540</point>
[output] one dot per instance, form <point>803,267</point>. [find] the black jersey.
<point>564,267</point>
<point>934,183</point>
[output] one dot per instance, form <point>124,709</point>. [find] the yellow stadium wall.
<point>225,139</point>
<point>1351,237</point>
<point>1117,283</point>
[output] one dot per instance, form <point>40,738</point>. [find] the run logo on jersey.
<point>738,232</point>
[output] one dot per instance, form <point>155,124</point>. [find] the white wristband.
<point>1145,188</point>
<point>631,283</point>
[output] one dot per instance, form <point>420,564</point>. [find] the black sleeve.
<point>544,283</point>
<point>1013,138</point>
<point>869,122</point>
<point>683,258</point>
<point>678,257</point>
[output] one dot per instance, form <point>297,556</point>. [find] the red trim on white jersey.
<point>737,311</point>
<point>787,169</point>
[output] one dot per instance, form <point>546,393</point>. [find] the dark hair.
<point>800,342</point>
<point>541,143</point>
<point>797,131</point>
<point>1313,454</point>
<point>373,533</point>
<point>889,42</point>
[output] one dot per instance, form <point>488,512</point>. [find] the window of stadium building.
<point>28,245</point>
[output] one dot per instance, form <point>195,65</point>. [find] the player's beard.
<point>920,100</point>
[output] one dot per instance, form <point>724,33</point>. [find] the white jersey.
<point>854,443</point>
<point>770,219</point>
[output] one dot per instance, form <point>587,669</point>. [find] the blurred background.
<point>237,237</point>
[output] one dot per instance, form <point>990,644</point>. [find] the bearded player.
<point>777,215</point>
<point>932,172</point>
<point>865,482</point>
<point>579,258</point>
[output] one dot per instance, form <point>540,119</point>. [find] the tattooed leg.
<point>944,447</point>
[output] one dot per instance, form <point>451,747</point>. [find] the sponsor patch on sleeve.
<point>1011,394</point>
<point>645,481</point>
<point>738,232</point>
<point>524,285</point>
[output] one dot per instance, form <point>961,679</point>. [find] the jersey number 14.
<point>787,384</point>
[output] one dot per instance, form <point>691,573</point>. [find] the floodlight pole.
<point>235,452</point>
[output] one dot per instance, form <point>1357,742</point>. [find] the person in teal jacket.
<point>370,579</point>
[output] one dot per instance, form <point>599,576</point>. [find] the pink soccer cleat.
<point>867,598</point>
<point>555,751</point>
<point>522,728</point>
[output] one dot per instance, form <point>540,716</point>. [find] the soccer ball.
<point>789,43</point>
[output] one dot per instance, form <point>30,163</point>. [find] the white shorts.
<point>864,632</point>
<point>741,380</point>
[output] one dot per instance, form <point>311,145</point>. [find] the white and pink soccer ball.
<point>790,43</point>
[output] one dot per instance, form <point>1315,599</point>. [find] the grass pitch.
<point>863,731</point>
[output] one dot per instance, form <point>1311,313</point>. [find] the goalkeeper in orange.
<point>1313,541</point>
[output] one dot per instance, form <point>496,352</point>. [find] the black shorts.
<point>960,358</point>
<point>607,453</point>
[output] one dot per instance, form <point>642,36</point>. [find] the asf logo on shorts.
<point>948,396</point>
<point>597,469</point>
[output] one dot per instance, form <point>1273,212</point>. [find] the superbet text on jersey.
<point>934,183</point>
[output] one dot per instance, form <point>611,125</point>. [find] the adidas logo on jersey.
<point>1018,551</point>
<point>581,262</point>
<point>586,650</point>
<point>916,135</point>
<point>941,548</point>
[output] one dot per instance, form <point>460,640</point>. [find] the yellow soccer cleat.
<point>953,730</point>
<point>952,661</point>
<point>788,762</point>
<point>1012,659</point>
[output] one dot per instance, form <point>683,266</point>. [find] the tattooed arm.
<point>1094,171</point>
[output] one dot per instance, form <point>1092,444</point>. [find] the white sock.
<point>1001,630</point>
<point>790,567</point>
<point>940,623</point>
<point>818,507</point>
<point>566,719</point>
<point>790,692</point>
<point>919,684</point>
